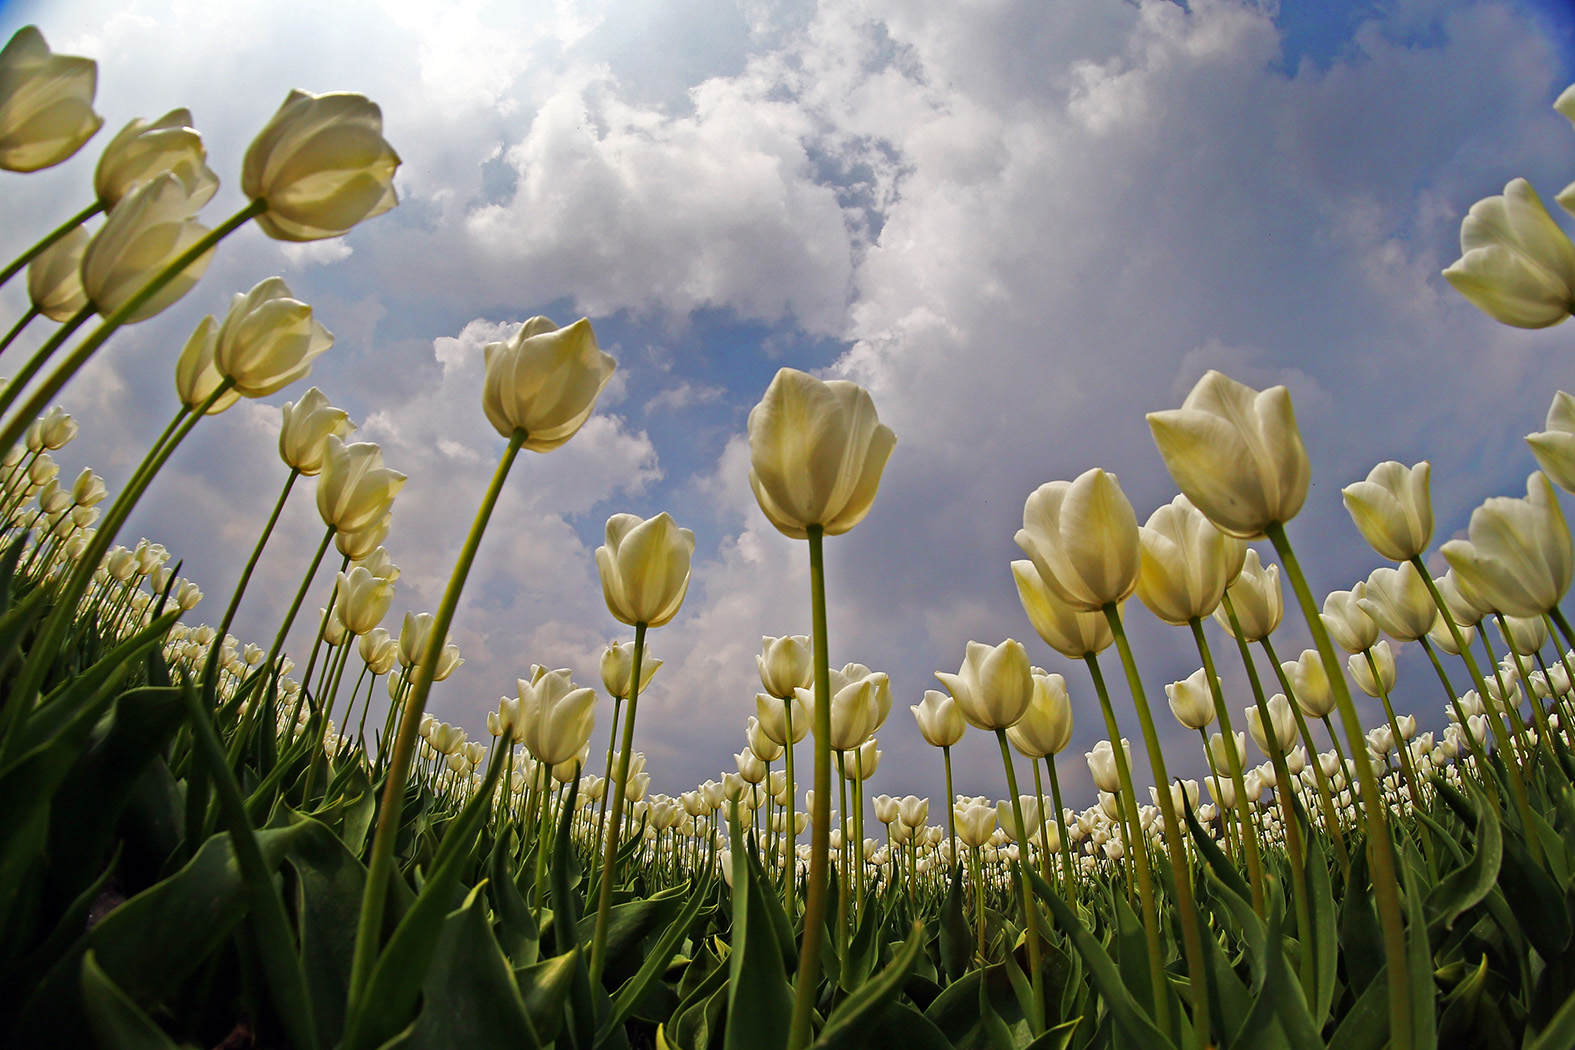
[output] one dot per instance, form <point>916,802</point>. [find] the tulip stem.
<point>35,364</point>
<point>610,855</point>
<point>1186,907</point>
<point>1489,783</point>
<point>15,265</point>
<point>806,985</point>
<point>612,744</point>
<point>21,323</point>
<point>951,802</point>
<point>1331,817</point>
<point>1133,855</point>
<point>78,357</point>
<point>1036,1013</point>
<point>790,833</point>
<point>369,928</point>
<point>1243,807</point>
<point>1380,847</point>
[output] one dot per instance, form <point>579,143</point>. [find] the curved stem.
<point>369,927</point>
<point>1380,847</point>
<point>35,364</point>
<point>211,667</point>
<point>22,322</point>
<point>805,985</point>
<point>78,357</point>
<point>610,856</point>
<point>15,265</point>
<point>1186,907</point>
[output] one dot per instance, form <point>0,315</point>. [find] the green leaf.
<point>1466,886</point>
<point>903,1026</point>
<point>759,998</point>
<point>1535,899</point>
<point>469,995</point>
<point>1419,954</point>
<point>516,927</point>
<point>656,962</point>
<point>850,1025</point>
<point>628,926</point>
<point>1218,863</point>
<point>117,1021</point>
<point>545,989</point>
<point>1133,1021</point>
<point>1325,943</point>
<point>1361,944</point>
<point>956,938</point>
<point>329,882</point>
<point>1365,1025</point>
<point>1560,1030</point>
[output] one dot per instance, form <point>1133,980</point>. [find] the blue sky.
<point>1021,225</point>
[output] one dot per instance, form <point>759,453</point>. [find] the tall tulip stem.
<point>790,858</point>
<point>1380,847</point>
<point>15,266</point>
<point>369,927</point>
<point>210,670</point>
<point>1036,1013</point>
<point>805,986</point>
<point>21,322</point>
<point>1186,906</point>
<point>610,852</point>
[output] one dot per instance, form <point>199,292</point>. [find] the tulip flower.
<point>617,668</point>
<point>145,148</point>
<point>54,277</point>
<point>1186,563</point>
<point>785,664</point>
<point>304,430</point>
<point>1516,264</point>
<point>268,340</point>
<point>149,229</point>
<point>555,717</point>
<point>379,650</point>
<point>975,823</point>
<point>940,720</point>
<point>46,103</point>
<point>817,450</point>
<point>853,710</point>
<point>1310,682</point>
<point>55,429</point>
<point>1518,558</point>
<point>321,165</point>
<point>644,568</point>
<point>1070,632</point>
<point>363,599</point>
<point>1256,598</point>
<point>1191,701</point>
<point>1399,602</point>
<point>544,380</point>
<point>1284,725</point>
<point>1393,509</point>
<point>1444,638</point>
<point>1555,446</point>
<point>1082,537</point>
<point>1236,453</point>
<point>1525,635</point>
<point>196,376</point>
<point>354,489</point>
<point>1384,658</point>
<point>357,545</point>
<point>1046,726</point>
<point>994,686</point>
<point>1102,765</point>
<point>760,742</point>
<point>772,715</point>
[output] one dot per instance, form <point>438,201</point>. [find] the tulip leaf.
<point>759,998</point>
<point>1133,1021</point>
<point>628,925</point>
<point>544,987</point>
<point>1361,944</point>
<point>516,927</point>
<point>1210,850</point>
<point>1559,1031</point>
<point>1419,954</point>
<point>956,938</point>
<point>1535,900</point>
<point>115,1017</point>
<point>1323,939</point>
<point>1465,887</point>
<point>656,962</point>
<point>329,883</point>
<point>852,1022</point>
<point>469,994</point>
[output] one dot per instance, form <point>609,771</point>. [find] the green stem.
<point>375,898</point>
<point>1249,835</point>
<point>790,860</point>
<point>78,357</point>
<point>1407,774</point>
<point>1066,838</point>
<point>1380,847</point>
<point>211,667</point>
<point>21,323</point>
<point>1483,777</point>
<point>13,389</point>
<point>1331,816</point>
<point>15,265</point>
<point>610,856</point>
<point>951,805</point>
<point>1036,1013</point>
<point>1134,854</point>
<point>1186,907</point>
<point>612,744</point>
<point>806,985</point>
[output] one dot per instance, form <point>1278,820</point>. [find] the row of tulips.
<point>1158,922</point>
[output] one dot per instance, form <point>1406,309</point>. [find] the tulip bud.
<point>268,340</point>
<point>1519,558</point>
<point>1442,637</point>
<point>1310,683</point>
<point>1236,453</point>
<point>885,808</point>
<point>304,431</point>
<point>1256,598</point>
<point>994,685</point>
<point>773,716</point>
<point>357,545</point>
<point>1393,509</point>
<point>1384,658</point>
<point>363,600</point>
<point>149,229</point>
<point>1082,537</point>
<point>1191,700</point>
<point>1284,725</point>
<point>1102,764</point>
<point>1343,617</point>
<point>763,747</point>
<point>1046,726</point>
<point>54,277</point>
<point>645,568</point>
<point>1399,602</point>
<point>322,165</point>
<point>940,721</point>
<point>1526,634</point>
<point>46,103</point>
<point>1070,632</point>
<point>785,664</point>
<point>544,380</point>
<point>196,376</point>
<point>1186,563</point>
<point>379,650</point>
<point>1516,264</point>
<point>143,149</point>
<point>617,667</point>
<point>354,489</point>
<point>555,718</point>
<point>817,450</point>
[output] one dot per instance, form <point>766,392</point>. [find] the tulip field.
<point>209,841</point>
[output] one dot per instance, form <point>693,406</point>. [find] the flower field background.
<point>206,841</point>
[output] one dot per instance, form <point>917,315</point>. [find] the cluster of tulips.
<point>94,653</point>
